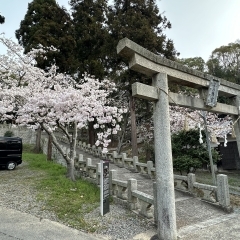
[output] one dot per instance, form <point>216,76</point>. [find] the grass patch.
<point>206,177</point>
<point>69,200</point>
<point>28,148</point>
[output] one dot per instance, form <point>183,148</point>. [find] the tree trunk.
<point>49,149</point>
<point>70,162</point>
<point>148,154</point>
<point>70,169</point>
<point>37,148</point>
<point>121,138</point>
<point>91,133</point>
<point>133,126</point>
<point>69,159</point>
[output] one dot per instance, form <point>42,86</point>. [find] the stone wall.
<point>56,156</point>
<point>28,136</point>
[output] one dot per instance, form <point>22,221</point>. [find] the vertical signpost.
<point>104,188</point>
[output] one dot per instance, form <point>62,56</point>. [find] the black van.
<point>10,152</point>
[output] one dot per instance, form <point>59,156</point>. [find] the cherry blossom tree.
<point>35,97</point>
<point>187,119</point>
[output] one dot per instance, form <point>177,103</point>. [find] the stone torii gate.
<point>162,70</point>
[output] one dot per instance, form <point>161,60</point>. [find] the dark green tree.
<point>2,19</point>
<point>224,62</point>
<point>48,24</point>
<point>196,63</point>
<point>89,18</point>
<point>141,22</point>
<point>188,153</point>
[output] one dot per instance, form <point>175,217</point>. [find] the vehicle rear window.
<point>13,145</point>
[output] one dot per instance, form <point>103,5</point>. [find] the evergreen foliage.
<point>225,62</point>
<point>141,22</point>
<point>2,19</point>
<point>188,153</point>
<point>196,63</point>
<point>48,24</point>
<point>8,134</point>
<point>89,19</point>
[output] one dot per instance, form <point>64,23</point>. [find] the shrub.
<point>188,153</point>
<point>8,134</point>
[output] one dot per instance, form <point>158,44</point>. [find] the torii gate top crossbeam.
<point>148,63</point>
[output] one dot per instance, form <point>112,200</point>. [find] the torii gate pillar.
<point>167,228</point>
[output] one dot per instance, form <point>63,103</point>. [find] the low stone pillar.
<point>131,186</point>
<point>149,167</point>
<point>98,173</point>
<point>114,154</point>
<point>124,156</point>
<point>89,162</point>
<point>135,160</point>
<point>64,150</point>
<point>80,157</point>
<point>112,175</point>
<point>125,163</point>
<point>191,178</point>
<point>223,192</point>
<point>68,151</point>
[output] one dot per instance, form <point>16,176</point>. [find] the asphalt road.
<point>15,225</point>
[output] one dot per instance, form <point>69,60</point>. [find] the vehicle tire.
<point>11,165</point>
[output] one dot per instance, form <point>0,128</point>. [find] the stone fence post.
<point>223,192</point>
<point>80,157</point>
<point>124,155</point>
<point>135,160</point>
<point>98,173</point>
<point>149,167</point>
<point>131,186</point>
<point>89,162</point>
<point>191,178</point>
<point>114,154</point>
<point>112,175</point>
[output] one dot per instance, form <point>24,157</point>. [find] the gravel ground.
<point>18,192</point>
<point>120,223</point>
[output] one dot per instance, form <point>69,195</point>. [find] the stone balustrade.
<point>119,189</point>
<point>181,182</point>
<point>91,169</point>
<point>117,159</point>
<point>205,192</point>
<point>126,192</point>
<point>142,168</point>
<point>146,203</point>
<point>127,162</point>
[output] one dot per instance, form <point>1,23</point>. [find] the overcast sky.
<point>198,26</point>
